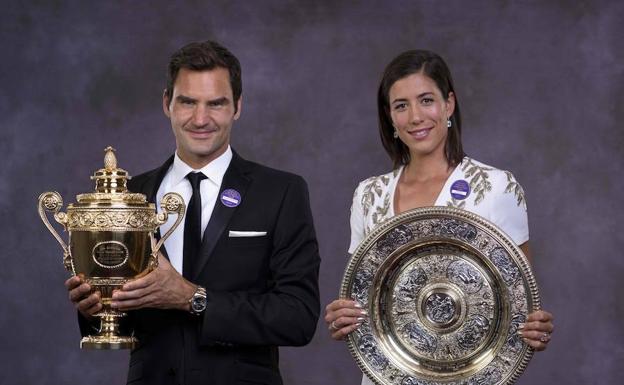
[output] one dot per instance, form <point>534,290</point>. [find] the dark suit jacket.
<point>262,291</point>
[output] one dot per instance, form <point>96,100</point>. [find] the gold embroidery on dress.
<point>479,179</point>
<point>381,211</point>
<point>374,189</point>
<point>456,203</point>
<point>514,186</point>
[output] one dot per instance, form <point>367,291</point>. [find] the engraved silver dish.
<point>445,290</point>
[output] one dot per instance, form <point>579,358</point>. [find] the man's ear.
<point>165,104</point>
<point>239,105</point>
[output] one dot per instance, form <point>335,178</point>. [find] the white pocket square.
<point>234,234</point>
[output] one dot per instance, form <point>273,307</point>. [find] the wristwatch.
<point>198,301</point>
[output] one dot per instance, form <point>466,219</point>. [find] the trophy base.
<point>108,342</point>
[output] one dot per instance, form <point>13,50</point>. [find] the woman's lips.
<point>420,133</point>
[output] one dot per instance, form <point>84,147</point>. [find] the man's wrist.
<point>197,302</point>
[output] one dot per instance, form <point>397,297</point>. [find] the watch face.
<point>198,304</point>
<point>198,301</point>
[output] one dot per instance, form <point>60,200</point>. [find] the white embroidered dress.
<point>473,186</point>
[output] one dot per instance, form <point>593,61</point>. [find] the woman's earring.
<point>396,134</point>
<point>448,123</point>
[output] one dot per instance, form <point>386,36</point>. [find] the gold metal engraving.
<point>111,240</point>
<point>445,290</point>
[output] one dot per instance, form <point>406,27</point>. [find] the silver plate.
<point>445,290</point>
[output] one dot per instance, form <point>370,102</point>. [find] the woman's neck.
<point>425,168</point>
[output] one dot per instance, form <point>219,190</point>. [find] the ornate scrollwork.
<point>111,235</point>
<point>111,197</point>
<point>172,203</point>
<point>446,291</point>
<point>52,201</point>
<point>130,219</point>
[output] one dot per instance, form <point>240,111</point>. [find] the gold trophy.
<point>111,241</point>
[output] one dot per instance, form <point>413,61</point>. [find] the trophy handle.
<point>52,201</point>
<point>170,203</point>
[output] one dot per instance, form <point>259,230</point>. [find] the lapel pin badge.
<point>230,198</point>
<point>460,189</point>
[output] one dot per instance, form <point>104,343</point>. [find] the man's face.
<point>202,112</point>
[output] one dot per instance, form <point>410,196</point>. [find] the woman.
<point>420,126</point>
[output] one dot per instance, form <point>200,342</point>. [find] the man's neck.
<point>198,162</point>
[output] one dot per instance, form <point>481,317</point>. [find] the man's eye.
<point>427,101</point>
<point>187,102</point>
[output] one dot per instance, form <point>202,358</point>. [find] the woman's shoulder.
<point>474,169</point>
<point>383,178</point>
<point>376,183</point>
<point>486,180</point>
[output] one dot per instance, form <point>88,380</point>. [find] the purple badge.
<point>230,198</point>
<point>460,189</point>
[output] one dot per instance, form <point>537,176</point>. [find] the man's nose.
<point>200,116</point>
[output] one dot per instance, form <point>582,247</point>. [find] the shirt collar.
<point>214,170</point>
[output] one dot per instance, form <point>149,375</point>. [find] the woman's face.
<point>419,113</point>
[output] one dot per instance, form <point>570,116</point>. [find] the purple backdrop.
<point>540,85</point>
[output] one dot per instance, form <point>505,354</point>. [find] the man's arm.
<point>286,314</point>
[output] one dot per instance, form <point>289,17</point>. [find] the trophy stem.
<point>108,336</point>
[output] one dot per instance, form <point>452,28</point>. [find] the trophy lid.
<point>111,183</point>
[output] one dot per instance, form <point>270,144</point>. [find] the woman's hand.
<point>537,330</point>
<point>343,316</point>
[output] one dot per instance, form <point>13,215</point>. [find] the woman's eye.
<point>400,106</point>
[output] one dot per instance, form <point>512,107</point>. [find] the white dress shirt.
<point>175,181</point>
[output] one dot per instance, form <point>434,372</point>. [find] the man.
<point>217,306</point>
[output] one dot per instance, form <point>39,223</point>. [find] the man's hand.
<point>163,288</point>
<point>80,294</point>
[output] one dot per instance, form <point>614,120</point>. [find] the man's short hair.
<point>205,56</point>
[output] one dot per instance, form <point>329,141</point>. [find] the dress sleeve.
<point>357,220</point>
<point>509,210</point>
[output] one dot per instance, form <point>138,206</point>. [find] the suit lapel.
<point>151,185</point>
<point>234,179</point>
<point>150,188</point>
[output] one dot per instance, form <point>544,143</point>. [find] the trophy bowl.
<point>111,241</point>
<point>445,291</point>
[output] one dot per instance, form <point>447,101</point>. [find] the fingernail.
<point>364,312</point>
<point>360,319</point>
<point>519,332</point>
<point>357,304</point>
<point>520,326</point>
<point>113,304</point>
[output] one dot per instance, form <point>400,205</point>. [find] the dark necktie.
<point>192,225</point>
